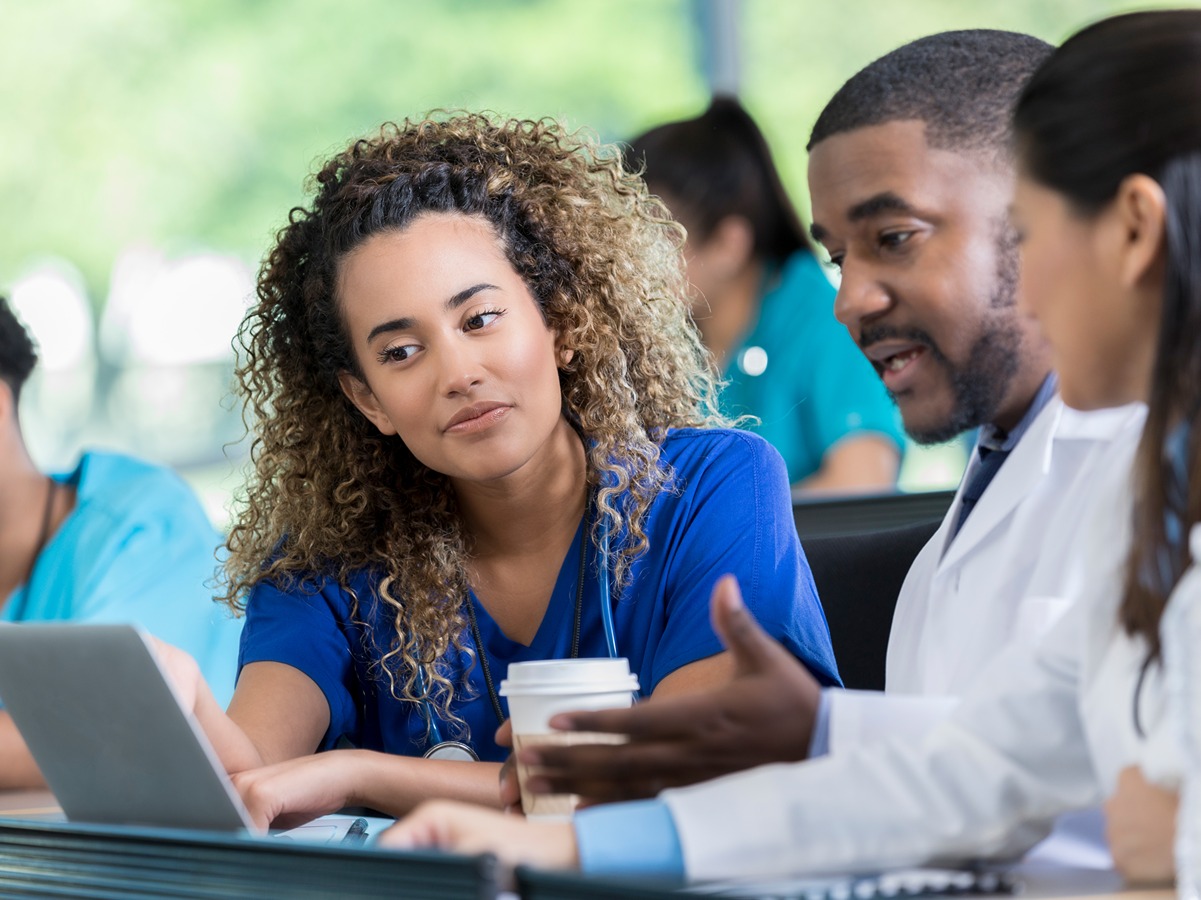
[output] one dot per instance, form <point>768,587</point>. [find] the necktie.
<point>990,463</point>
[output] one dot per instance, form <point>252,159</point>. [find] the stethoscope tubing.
<point>427,712</point>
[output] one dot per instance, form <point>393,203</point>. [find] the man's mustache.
<point>874,334</point>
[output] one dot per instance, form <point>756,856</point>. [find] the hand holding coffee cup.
<point>538,690</point>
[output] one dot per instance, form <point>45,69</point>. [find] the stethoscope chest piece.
<point>452,751</point>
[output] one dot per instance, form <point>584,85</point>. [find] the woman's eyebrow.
<point>406,322</point>
<point>467,293</point>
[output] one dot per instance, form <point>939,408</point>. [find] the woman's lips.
<point>477,417</point>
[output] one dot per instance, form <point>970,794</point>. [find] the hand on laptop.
<point>764,714</point>
<point>298,790</point>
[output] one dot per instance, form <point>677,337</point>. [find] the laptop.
<point>115,745</point>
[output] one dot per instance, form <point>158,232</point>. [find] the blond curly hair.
<point>329,495</point>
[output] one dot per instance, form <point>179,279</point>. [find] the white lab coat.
<point>1006,577</point>
<point>1047,728</point>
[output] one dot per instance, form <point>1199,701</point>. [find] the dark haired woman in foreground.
<point>1109,207</point>
<point>484,434</point>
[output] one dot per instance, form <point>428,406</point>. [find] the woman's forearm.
<point>17,768</point>
<point>297,790</point>
<point>397,784</point>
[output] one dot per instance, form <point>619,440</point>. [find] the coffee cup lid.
<point>575,676</point>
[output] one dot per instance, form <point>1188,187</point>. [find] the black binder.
<point>108,862</point>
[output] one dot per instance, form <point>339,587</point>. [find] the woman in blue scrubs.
<point>484,429</point>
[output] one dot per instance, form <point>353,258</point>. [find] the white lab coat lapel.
<point>1027,465</point>
<point>1006,575</point>
<point>941,622</point>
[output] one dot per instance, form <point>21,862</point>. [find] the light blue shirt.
<point>137,548</point>
<point>638,838</point>
<point>994,438</point>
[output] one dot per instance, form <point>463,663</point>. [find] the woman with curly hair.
<point>481,409</point>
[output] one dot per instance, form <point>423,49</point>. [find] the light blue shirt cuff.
<point>638,838</point>
<point>819,744</point>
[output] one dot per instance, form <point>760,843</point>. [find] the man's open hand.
<point>764,714</point>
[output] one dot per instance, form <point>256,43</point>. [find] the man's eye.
<point>891,240</point>
<point>836,261</point>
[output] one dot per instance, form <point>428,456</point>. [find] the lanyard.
<point>444,749</point>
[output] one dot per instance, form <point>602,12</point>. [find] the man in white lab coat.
<point>910,175</point>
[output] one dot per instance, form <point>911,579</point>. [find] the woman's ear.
<point>8,405</point>
<point>730,246</point>
<point>564,353</point>
<point>1141,209</point>
<point>358,393</point>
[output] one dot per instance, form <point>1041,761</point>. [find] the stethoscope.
<point>458,750</point>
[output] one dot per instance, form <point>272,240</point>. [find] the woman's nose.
<point>460,369</point>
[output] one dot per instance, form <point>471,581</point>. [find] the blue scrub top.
<point>729,512</point>
<point>799,371</point>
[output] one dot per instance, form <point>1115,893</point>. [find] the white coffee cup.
<point>538,690</point>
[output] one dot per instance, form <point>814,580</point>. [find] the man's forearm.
<point>17,768</point>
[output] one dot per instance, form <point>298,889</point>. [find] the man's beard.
<point>981,383</point>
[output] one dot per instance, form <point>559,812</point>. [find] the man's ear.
<point>360,395</point>
<point>1141,208</point>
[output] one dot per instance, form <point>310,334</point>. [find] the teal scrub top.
<point>137,548</point>
<point>800,373</point>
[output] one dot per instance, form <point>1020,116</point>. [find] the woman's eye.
<point>397,354</point>
<point>482,319</point>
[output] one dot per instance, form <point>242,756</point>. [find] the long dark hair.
<point>716,165</point>
<point>1123,97</point>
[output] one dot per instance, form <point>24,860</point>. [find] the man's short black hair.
<point>962,84</point>
<point>17,356</point>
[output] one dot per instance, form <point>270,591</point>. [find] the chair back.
<point>858,578</point>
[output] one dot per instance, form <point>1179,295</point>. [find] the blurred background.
<point>150,150</point>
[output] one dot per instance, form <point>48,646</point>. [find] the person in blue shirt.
<point>115,540</point>
<point>482,409</point>
<point>763,304</point>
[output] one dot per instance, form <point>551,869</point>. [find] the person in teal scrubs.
<point>116,540</point>
<point>764,306</point>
